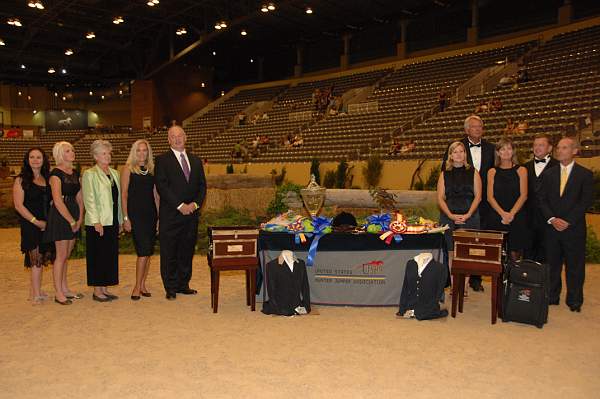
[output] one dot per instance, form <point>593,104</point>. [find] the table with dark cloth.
<point>353,269</point>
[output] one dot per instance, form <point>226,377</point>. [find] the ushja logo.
<point>371,267</point>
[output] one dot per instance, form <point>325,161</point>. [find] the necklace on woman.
<point>143,170</point>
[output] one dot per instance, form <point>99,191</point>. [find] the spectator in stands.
<point>495,105</point>
<point>407,147</point>
<point>316,99</point>
<point>103,222</point>
<point>31,199</point>
<point>521,127</point>
<point>265,116</point>
<point>482,107</point>
<point>459,193</point>
<point>254,119</point>
<point>510,127</point>
<point>241,118</point>
<point>298,141</point>
<point>65,217</point>
<point>141,219</point>
<point>264,140</point>
<point>443,100</point>
<point>237,150</point>
<point>395,148</point>
<point>523,76</point>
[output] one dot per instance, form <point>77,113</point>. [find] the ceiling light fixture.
<point>51,70</point>
<point>63,71</point>
<point>2,43</point>
<point>36,4</point>
<point>264,8</point>
<point>152,3</point>
<point>35,111</point>
<point>309,10</point>
<point>55,94</point>
<point>214,53</point>
<point>91,93</point>
<point>120,92</point>
<point>90,35</point>
<point>271,7</point>
<point>203,85</point>
<point>118,20</point>
<point>23,66</point>
<point>19,93</point>
<point>223,24</point>
<point>102,96</point>
<point>14,22</point>
<point>251,60</point>
<point>29,98</point>
<point>68,51</point>
<point>181,31</point>
<point>64,98</point>
<point>243,32</point>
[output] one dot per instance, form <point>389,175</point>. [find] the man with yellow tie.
<point>566,193</point>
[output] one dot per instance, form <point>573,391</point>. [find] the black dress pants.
<point>566,247</point>
<point>177,245</point>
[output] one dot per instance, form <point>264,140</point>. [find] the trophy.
<point>313,197</point>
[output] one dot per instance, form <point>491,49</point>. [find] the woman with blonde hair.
<point>103,222</point>
<point>507,193</point>
<point>140,206</point>
<point>459,194</point>
<point>64,218</point>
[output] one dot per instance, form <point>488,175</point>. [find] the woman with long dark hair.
<point>31,198</point>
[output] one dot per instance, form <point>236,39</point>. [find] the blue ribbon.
<point>320,224</point>
<point>382,220</point>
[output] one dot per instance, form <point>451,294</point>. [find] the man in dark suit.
<point>540,164</point>
<point>566,193</point>
<point>480,155</point>
<point>181,184</point>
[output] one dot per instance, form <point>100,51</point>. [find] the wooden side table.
<point>233,248</point>
<point>477,252</point>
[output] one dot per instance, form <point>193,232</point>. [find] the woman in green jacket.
<point>103,222</point>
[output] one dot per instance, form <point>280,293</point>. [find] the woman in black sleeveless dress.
<point>31,198</point>
<point>65,217</point>
<point>507,193</point>
<point>140,207</point>
<point>459,194</point>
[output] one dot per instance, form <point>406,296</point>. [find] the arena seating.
<point>564,85</point>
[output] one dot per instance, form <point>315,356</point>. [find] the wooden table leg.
<point>500,296</point>
<point>212,288</point>
<point>252,273</point>
<point>494,297</point>
<point>216,294</point>
<point>247,287</point>
<point>454,294</point>
<point>461,291</point>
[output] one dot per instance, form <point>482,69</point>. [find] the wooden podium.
<point>477,252</point>
<point>233,248</point>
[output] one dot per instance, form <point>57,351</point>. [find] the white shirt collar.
<point>569,167</point>
<point>178,153</point>
<point>423,260</point>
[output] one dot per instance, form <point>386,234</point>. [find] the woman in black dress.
<point>65,217</point>
<point>103,222</point>
<point>459,195</point>
<point>31,198</point>
<point>140,207</point>
<point>507,193</point>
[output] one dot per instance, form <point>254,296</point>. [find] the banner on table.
<point>363,278</point>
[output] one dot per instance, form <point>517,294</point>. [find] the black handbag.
<point>526,285</point>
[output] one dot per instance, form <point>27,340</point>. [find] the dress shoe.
<point>146,294</point>
<point>171,296</point>
<point>187,291</point>
<point>135,297</point>
<point>100,299</point>
<point>75,296</point>
<point>111,296</point>
<point>476,286</point>
<point>575,308</point>
<point>65,302</point>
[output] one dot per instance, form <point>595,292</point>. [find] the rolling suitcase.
<point>526,285</point>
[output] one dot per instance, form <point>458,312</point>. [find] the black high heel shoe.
<point>146,294</point>
<point>135,297</point>
<point>100,299</point>
<point>65,302</point>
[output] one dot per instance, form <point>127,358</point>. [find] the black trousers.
<point>537,250</point>
<point>568,248</point>
<point>177,245</point>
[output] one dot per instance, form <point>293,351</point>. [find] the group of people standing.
<point>54,205</point>
<point>541,204</point>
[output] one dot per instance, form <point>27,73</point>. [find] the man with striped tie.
<point>181,185</point>
<point>566,192</point>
